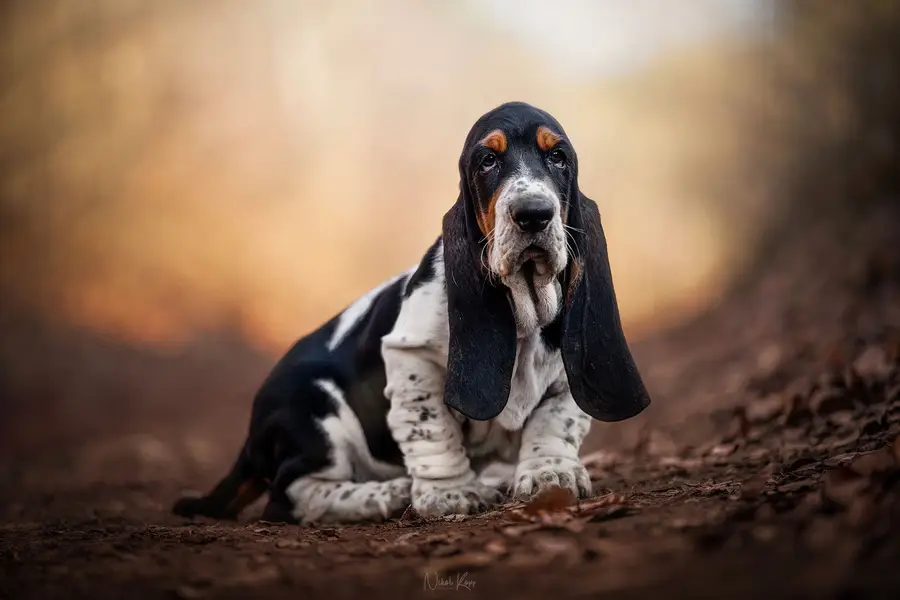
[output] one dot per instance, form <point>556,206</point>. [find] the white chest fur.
<point>416,354</point>
<point>535,370</point>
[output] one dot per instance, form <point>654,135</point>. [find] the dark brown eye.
<point>488,162</point>
<point>557,158</point>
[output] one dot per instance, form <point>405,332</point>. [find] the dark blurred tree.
<point>855,48</point>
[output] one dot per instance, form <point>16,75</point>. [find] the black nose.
<point>533,214</point>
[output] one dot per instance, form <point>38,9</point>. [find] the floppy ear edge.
<point>603,377</point>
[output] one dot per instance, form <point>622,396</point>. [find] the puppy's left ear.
<point>603,377</point>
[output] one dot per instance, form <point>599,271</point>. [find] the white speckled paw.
<point>438,498</point>
<point>395,499</point>
<point>537,474</point>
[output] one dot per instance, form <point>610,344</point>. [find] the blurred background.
<point>186,188</point>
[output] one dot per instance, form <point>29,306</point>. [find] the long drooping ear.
<point>603,377</point>
<point>482,349</point>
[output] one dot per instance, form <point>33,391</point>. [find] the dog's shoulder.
<point>422,321</point>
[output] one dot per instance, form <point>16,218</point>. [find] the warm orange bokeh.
<point>177,166</point>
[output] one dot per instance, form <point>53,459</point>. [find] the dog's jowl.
<point>500,346</point>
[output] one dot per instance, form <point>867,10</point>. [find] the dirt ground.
<point>764,468</point>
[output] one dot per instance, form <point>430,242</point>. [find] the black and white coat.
<point>498,348</point>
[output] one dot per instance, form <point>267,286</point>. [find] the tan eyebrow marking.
<point>546,139</point>
<point>495,140</point>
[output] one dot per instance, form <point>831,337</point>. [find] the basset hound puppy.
<point>500,345</point>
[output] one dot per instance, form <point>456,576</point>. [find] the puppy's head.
<point>519,169</point>
<point>520,214</point>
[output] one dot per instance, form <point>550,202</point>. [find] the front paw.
<point>535,475</point>
<point>432,498</point>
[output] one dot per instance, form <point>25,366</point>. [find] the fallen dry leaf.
<point>555,520</point>
<point>765,409</point>
<point>455,518</point>
<point>602,459</point>
<point>569,516</point>
<point>606,507</point>
<point>519,530</point>
<point>840,459</point>
<point>411,517</point>
<point>402,539</point>
<point>758,453</point>
<point>611,512</point>
<point>552,499</point>
<point>652,442</point>
<point>575,525</point>
<point>554,545</point>
<point>447,537</point>
<point>873,363</point>
<point>497,547</point>
<point>723,450</point>
<point>842,418</point>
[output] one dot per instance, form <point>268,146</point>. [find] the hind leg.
<point>302,493</point>
<point>234,493</point>
<point>347,484</point>
<point>324,501</point>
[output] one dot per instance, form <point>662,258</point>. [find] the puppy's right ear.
<point>482,349</point>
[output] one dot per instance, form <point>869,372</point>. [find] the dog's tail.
<point>237,490</point>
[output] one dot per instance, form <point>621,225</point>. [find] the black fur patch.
<point>482,346</point>
<point>425,272</point>
<point>603,377</point>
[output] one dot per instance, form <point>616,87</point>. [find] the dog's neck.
<point>536,301</point>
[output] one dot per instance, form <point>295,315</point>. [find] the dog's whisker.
<point>570,247</point>
<point>488,241</point>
